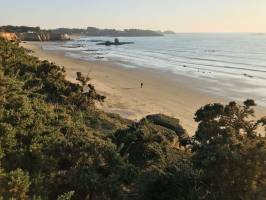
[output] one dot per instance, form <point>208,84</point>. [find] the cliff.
<point>43,36</point>
<point>33,36</point>
<point>26,33</point>
<point>9,36</point>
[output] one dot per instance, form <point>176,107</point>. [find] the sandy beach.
<point>163,92</point>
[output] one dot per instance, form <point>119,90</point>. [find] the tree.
<point>89,93</point>
<point>66,196</point>
<point>155,140</point>
<point>90,166</point>
<point>15,185</point>
<point>230,151</point>
<point>178,181</point>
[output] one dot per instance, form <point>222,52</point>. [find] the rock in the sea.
<point>116,42</point>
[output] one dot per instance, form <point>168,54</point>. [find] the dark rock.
<point>170,123</point>
<point>99,57</point>
<point>116,42</point>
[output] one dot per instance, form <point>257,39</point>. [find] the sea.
<point>231,64</point>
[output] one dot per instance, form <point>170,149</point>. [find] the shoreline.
<point>174,95</point>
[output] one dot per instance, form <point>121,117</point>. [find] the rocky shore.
<point>35,36</point>
<point>43,36</point>
<point>24,33</point>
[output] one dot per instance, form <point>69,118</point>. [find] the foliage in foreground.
<point>54,143</point>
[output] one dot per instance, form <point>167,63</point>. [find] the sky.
<point>176,15</point>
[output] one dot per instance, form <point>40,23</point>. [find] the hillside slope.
<point>55,144</point>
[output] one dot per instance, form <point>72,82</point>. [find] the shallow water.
<point>233,64</point>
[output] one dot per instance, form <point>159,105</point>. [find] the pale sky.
<point>177,15</point>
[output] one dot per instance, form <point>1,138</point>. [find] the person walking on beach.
<point>141,85</point>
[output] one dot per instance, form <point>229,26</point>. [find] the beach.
<point>171,94</point>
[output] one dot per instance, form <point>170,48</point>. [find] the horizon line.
<point>121,29</point>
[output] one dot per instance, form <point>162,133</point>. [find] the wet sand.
<point>163,92</point>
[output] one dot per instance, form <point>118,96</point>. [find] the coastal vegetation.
<point>55,143</point>
<point>92,31</point>
<point>19,29</point>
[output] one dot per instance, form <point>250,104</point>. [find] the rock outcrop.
<point>43,36</point>
<point>59,36</point>
<point>116,42</point>
<point>9,36</point>
<point>33,36</point>
<point>145,143</point>
<point>25,33</point>
<point>171,124</point>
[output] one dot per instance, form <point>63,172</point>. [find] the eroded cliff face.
<point>43,36</point>
<point>9,36</point>
<point>34,36</point>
